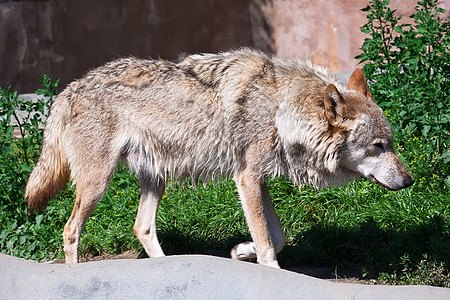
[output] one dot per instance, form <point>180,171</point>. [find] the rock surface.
<point>182,277</point>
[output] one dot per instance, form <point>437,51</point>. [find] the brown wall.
<point>66,38</point>
<point>327,31</point>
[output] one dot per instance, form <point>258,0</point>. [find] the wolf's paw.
<point>273,264</point>
<point>244,251</point>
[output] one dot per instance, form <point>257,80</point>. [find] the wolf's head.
<point>368,143</point>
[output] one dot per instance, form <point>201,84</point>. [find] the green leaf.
<point>4,234</point>
<point>9,131</point>
<point>39,220</point>
<point>412,61</point>
<point>445,157</point>
<point>447,181</point>
<point>22,239</point>
<point>425,130</point>
<point>25,167</point>
<point>398,29</point>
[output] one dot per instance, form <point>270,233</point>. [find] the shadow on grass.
<point>176,242</point>
<point>336,252</point>
<point>369,248</point>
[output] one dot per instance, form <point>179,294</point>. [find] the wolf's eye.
<point>379,146</point>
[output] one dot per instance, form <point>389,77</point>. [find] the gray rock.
<point>182,277</point>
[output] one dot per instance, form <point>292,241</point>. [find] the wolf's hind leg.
<point>152,190</point>
<point>91,186</point>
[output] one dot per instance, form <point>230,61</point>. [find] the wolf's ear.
<point>335,106</point>
<point>358,83</point>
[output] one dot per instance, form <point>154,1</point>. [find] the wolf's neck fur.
<point>308,145</point>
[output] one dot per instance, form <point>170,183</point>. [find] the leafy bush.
<point>17,156</point>
<point>425,273</point>
<point>408,67</point>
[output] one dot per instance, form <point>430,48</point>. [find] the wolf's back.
<point>51,172</point>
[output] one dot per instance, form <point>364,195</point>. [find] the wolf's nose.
<point>408,181</point>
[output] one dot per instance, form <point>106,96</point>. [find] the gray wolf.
<point>241,113</point>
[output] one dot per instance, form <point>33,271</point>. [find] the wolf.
<point>242,114</point>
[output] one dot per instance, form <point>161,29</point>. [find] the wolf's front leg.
<point>262,221</point>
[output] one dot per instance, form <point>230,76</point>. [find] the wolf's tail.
<point>51,172</point>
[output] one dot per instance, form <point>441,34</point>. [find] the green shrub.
<point>408,67</point>
<point>425,273</point>
<point>18,231</point>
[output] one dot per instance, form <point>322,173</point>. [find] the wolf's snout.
<point>392,176</point>
<point>395,185</point>
<point>408,181</point>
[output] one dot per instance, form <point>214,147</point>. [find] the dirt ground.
<point>343,275</point>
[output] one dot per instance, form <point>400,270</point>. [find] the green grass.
<point>383,233</point>
<point>395,237</point>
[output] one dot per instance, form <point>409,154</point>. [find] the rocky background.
<point>66,38</point>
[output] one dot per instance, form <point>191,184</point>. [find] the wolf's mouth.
<point>374,180</point>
